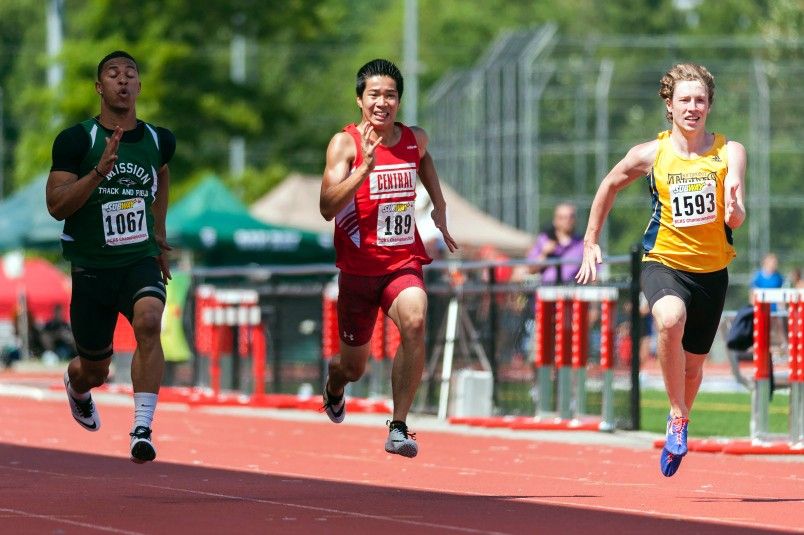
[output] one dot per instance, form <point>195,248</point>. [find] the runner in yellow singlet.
<point>696,183</point>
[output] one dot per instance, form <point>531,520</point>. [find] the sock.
<point>144,406</point>
<point>74,394</point>
<point>332,398</point>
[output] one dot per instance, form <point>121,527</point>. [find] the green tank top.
<point>115,227</point>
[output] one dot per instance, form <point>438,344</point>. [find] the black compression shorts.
<point>703,294</point>
<point>100,294</point>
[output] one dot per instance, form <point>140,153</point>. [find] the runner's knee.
<point>412,325</point>
<point>670,321</point>
<point>352,370</point>
<point>94,375</point>
<point>147,323</point>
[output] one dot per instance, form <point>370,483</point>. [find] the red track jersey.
<point>375,233</point>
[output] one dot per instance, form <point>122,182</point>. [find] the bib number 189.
<point>398,224</point>
<point>395,224</point>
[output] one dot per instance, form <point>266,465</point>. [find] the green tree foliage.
<point>302,56</point>
<point>183,52</point>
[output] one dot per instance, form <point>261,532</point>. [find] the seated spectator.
<point>57,336</point>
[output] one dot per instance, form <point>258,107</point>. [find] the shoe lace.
<point>677,426</point>
<point>401,427</point>
<point>85,407</point>
<point>329,404</point>
<point>141,432</point>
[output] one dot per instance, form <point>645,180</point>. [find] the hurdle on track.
<point>793,300</point>
<point>219,313</point>
<point>561,345</point>
<point>761,441</point>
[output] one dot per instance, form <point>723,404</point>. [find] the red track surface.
<point>256,473</point>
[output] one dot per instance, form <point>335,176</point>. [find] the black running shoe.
<point>142,449</point>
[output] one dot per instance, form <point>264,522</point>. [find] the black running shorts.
<point>100,294</point>
<point>703,294</point>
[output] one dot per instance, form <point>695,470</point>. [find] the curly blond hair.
<point>690,72</point>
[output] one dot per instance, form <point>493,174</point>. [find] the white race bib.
<point>694,203</point>
<point>124,222</point>
<point>396,224</point>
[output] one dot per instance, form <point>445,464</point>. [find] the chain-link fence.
<point>541,118</point>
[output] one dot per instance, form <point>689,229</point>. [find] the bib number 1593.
<point>693,204</point>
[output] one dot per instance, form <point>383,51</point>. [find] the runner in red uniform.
<point>369,187</point>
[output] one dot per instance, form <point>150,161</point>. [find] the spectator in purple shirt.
<point>560,241</point>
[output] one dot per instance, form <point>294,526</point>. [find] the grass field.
<point>715,414</point>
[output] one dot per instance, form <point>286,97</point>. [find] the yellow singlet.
<point>687,229</point>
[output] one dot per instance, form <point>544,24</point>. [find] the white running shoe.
<point>83,410</point>
<point>400,441</point>
<point>336,410</point>
<point>142,449</point>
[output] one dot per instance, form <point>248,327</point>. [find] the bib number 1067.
<point>124,223</point>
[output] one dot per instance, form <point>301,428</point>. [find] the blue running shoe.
<point>676,437</point>
<point>669,463</point>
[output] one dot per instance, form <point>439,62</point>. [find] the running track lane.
<point>219,473</point>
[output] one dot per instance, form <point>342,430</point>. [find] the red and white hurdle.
<point>221,312</point>
<point>761,440</point>
<point>793,299</point>
<point>562,345</point>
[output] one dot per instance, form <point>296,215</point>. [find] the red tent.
<point>43,285</point>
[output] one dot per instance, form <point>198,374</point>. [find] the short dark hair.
<point>378,67</point>
<point>112,55</point>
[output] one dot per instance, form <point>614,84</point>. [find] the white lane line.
<point>59,520</point>
<point>416,523</point>
<point>670,516</point>
<point>247,499</point>
<point>545,501</point>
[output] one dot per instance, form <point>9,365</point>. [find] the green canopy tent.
<point>217,226</point>
<point>25,221</point>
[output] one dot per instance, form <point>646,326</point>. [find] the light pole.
<point>2,148</point>
<point>237,73</point>
<point>411,62</point>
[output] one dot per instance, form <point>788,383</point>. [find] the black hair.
<point>112,55</point>
<point>378,67</point>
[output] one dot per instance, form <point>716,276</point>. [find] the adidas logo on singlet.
<point>716,158</point>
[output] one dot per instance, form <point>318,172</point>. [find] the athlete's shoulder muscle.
<point>69,148</point>
<point>643,155</point>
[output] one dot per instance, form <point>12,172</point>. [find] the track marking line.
<point>658,514</point>
<point>325,510</point>
<point>59,520</point>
